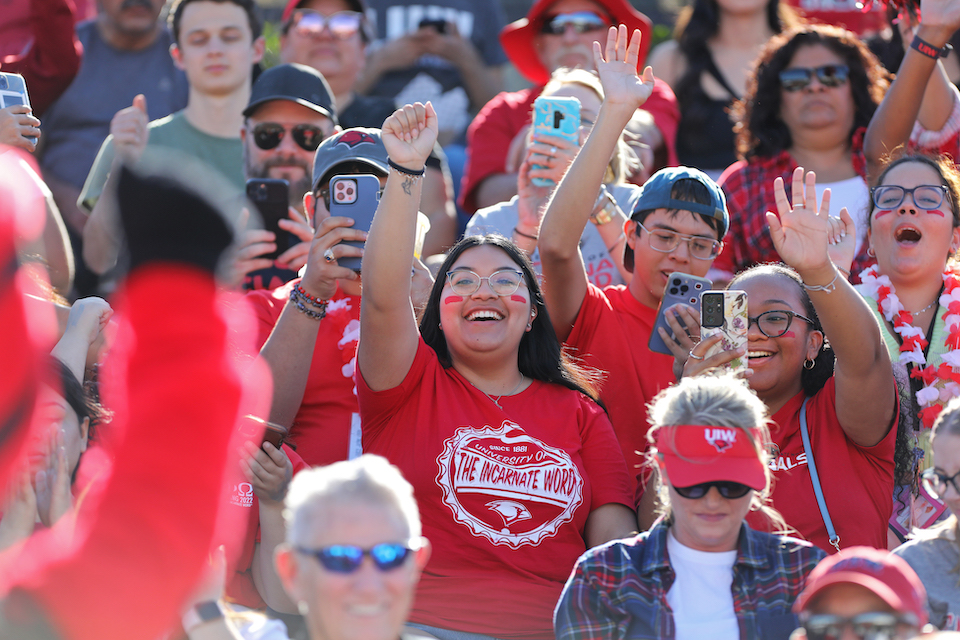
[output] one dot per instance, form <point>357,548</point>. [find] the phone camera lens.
<point>673,291</point>
<point>684,288</point>
<point>676,282</point>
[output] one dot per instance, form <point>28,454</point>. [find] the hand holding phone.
<point>558,117</point>
<point>724,313</point>
<point>271,198</point>
<point>354,196</point>
<point>682,288</point>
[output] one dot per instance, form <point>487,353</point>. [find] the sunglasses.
<point>269,135</point>
<point>729,490</point>
<point>343,24</point>
<point>581,21</point>
<point>866,626</point>
<point>798,78</point>
<point>347,558</point>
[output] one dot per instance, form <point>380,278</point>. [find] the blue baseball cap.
<point>656,194</point>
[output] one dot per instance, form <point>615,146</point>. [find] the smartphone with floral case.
<point>725,312</point>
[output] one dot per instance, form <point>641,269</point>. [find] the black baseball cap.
<point>296,83</point>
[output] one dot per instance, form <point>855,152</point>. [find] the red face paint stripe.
<point>789,334</point>
<point>452,299</point>
<point>936,212</point>
<point>517,298</point>
<point>883,212</point>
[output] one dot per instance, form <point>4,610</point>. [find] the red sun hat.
<point>694,454</point>
<point>885,574</point>
<point>517,38</point>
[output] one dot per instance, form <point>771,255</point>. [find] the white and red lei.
<point>940,383</point>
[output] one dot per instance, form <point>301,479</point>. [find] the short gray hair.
<point>369,479</point>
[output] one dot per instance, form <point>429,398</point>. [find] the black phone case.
<point>271,198</point>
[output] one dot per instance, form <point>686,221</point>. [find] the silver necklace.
<point>929,306</point>
<point>509,393</point>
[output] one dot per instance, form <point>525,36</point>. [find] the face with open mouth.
<point>913,235</point>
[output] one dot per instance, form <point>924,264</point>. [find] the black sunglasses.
<point>729,490</point>
<point>866,626</point>
<point>269,135</point>
<point>829,75</point>
<point>581,21</point>
<point>347,558</point>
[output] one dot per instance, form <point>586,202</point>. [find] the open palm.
<point>617,67</point>
<point>800,232</point>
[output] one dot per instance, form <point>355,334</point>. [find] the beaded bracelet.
<point>830,287</point>
<point>408,172</point>
<point>301,299</point>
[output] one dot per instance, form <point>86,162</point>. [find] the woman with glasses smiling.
<point>701,571</point>
<point>515,466</point>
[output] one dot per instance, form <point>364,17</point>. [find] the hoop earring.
<point>809,364</point>
<point>871,252</point>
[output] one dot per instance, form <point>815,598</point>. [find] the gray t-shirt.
<point>76,124</point>
<point>601,267</point>
<point>937,561</point>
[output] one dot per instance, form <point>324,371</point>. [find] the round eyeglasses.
<point>775,323</point>
<point>466,283</point>
<point>926,196</point>
<point>667,241</point>
<point>936,482</point>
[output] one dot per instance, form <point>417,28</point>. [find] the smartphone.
<point>558,117</point>
<point>725,312</point>
<point>271,197</point>
<point>439,25</point>
<point>13,90</point>
<point>273,433</point>
<point>682,288</point>
<point>355,196</point>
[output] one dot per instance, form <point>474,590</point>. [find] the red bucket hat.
<point>694,454</point>
<point>517,37</point>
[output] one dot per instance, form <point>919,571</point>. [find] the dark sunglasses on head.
<point>729,490</point>
<point>829,75</point>
<point>866,626</point>
<point>269,135</point>
<point>347,558</point>
<point>581,21</point>
<point>343,24</point>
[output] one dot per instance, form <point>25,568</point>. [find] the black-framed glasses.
<point>347,558</point>
<point>503,282</point>
<point>581,21</point>
<point>936,482</point>
<point>891,196</point>
<point>866,626</point>
<point>774,323</point>
<point>729,490</point>
<point>666,241</point>
<point>269,135</point>
<point>343,24</point>
<point>829,75</point>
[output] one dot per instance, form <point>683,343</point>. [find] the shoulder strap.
<point>714,71</point>
<point>812,466</point>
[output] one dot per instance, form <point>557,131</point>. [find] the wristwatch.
<point>200,613</point>
<point>604,209</point>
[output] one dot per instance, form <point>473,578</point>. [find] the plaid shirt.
<point>619,590</point>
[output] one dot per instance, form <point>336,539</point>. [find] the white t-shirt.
<point>701,596</point>
<point>853,194</point>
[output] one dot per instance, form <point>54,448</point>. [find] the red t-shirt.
<point>611,334</point>
<point>241,588</point>
<point>857,481</point>
<point>504,494</point>
<point>500,120</point>
<point>327,424</point>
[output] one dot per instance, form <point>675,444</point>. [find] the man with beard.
<point>291,110</point>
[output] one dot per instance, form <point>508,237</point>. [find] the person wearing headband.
<point>700,571</point>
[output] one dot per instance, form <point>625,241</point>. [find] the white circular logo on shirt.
<point>507,486</point>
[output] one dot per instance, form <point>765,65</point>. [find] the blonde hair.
<point>721,401</point>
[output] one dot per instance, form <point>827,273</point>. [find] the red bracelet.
<point>311,299</point>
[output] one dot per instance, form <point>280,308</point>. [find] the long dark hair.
<point>540,356</point>
<point>761,132</point>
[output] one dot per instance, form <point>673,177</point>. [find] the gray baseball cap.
<point>360,144</point>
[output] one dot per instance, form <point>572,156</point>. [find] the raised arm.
<point>863,367</point>
<point>921,90</point>
<point>388,327</point>
<point>565,279</point>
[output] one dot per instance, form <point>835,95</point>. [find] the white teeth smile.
<point>366,610</point>
<point>759,354</point>
<point>484,315</point>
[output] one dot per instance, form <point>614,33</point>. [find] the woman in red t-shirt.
<point>516,468</point>
<point>814,343</point>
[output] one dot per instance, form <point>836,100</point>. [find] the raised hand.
<point>617,68</point>
<point>800,232</point>
<point>409,135</point>
<point>129,130</point>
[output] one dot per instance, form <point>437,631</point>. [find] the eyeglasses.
<point>581,21</point>
<point>503,282</point>
<point>775,323</point>
<point>936,482</point>
<point>269,135</point>
<point>830,75</point>
<point>666,241</point>
<point>729,490</point>
<point>866,626</point>
<point>346,558</point>
<point>926,196</point>
<point>343,24</point>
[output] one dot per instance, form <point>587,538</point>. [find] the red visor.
<point>694,454</point>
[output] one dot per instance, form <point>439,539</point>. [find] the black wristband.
<point>928,49</point>
<point>404,170</point>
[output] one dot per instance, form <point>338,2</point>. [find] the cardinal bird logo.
<point>356,138</point>
<point>510,511</point>
<point>721,439</point>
